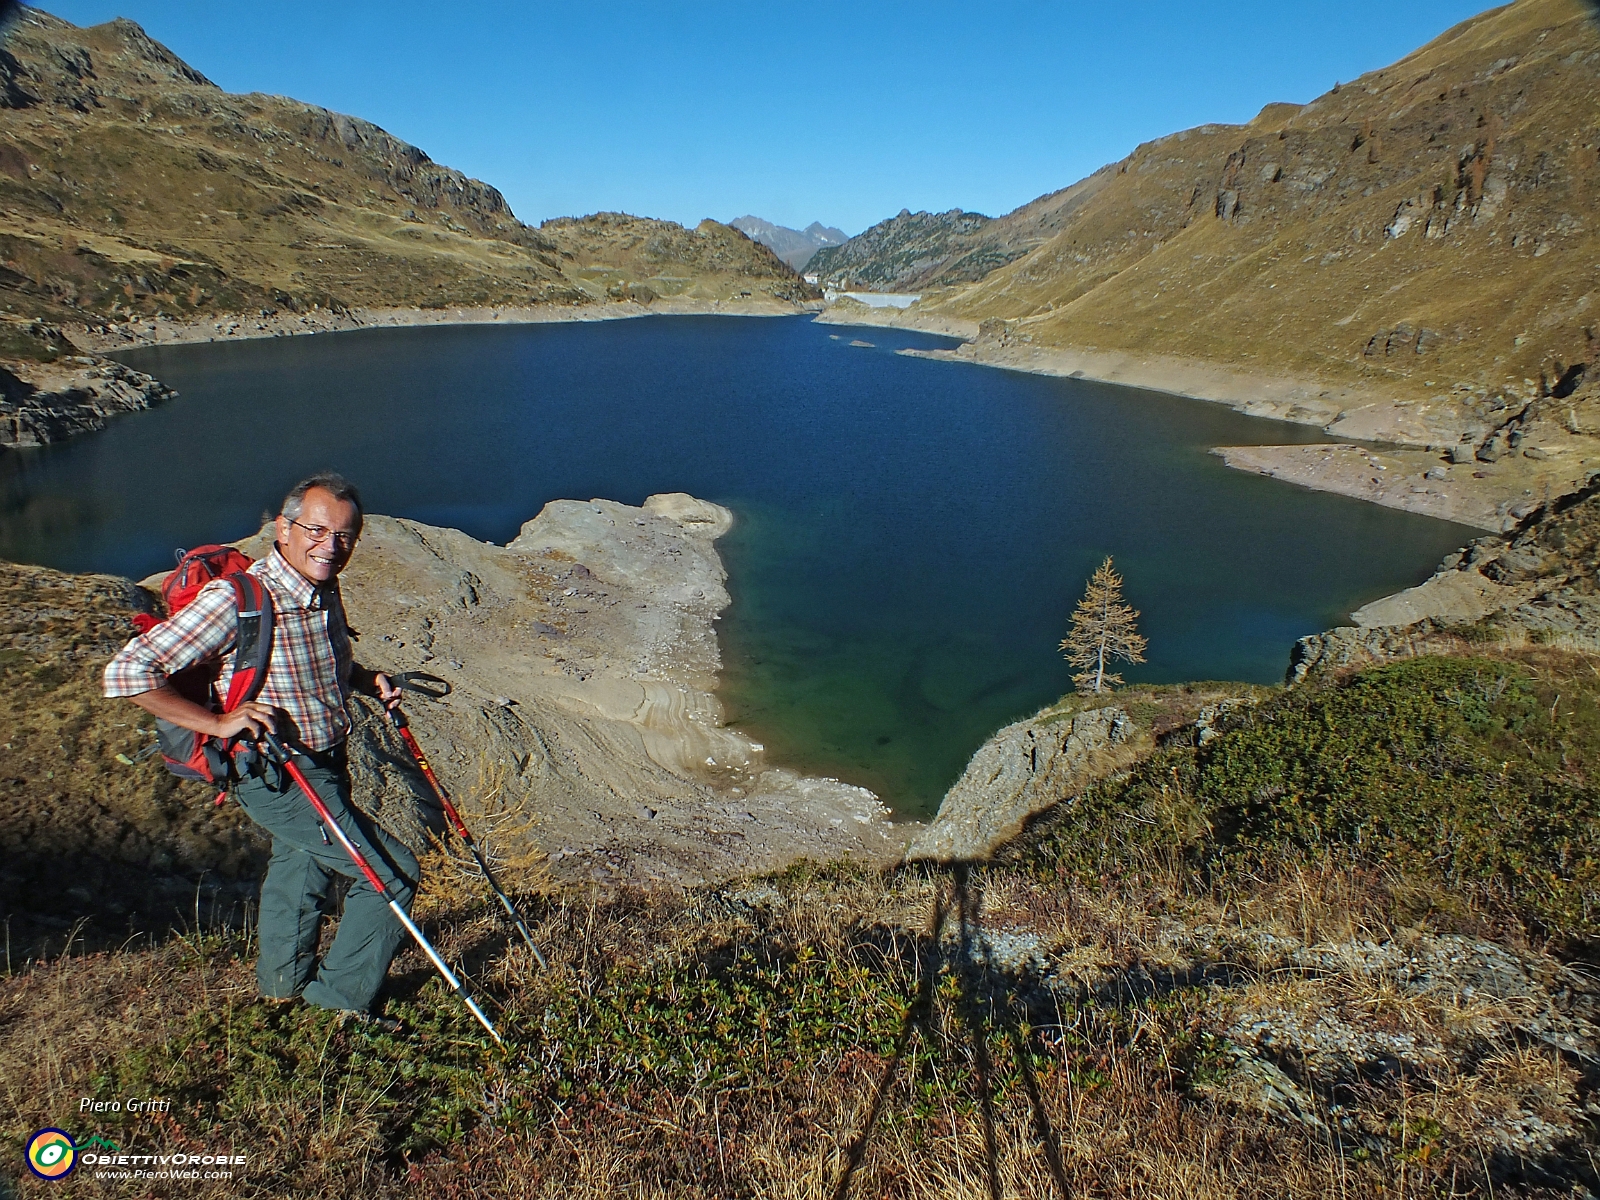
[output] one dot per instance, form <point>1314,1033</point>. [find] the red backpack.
<point>191,755</point>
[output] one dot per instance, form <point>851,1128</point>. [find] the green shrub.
<point>1471,771</point>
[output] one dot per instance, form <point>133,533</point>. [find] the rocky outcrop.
<point>561,686</point>
<point>1347,646</point>
<point>1335,1029</point>
<point>42,403</point>
<point>1418,480</point>
<point>1535,584</point>
<point>1020,771</point>
<point>1288,1047</point>
<point>386,782</point>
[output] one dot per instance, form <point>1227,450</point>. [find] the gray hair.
<point>335,484</point>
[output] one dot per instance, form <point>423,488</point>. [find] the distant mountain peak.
<point>794,246</point>
<point>914,250</point>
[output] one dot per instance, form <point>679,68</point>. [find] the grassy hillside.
<point>92,828</point>
<point>1297,1027</point>
<point>1426,232</point>
<point>1427,225</point>
<point>1472,775</point>
<point>129,185</point>
<point>625,257</point>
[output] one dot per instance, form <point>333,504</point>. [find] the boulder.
<point>386,781</point>
<point>1020,771</point>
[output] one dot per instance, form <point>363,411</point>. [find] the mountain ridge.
<point>919,251</point>
<point>1461,164</point>
<point>132,184</point>
<point>140,202</point>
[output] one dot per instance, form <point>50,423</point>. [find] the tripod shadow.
<point>987,1000</point>
<point>918,1016</point>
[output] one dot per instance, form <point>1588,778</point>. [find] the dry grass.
<point>1281,1025</point>
<point>803,1004</point>
<point>90,824</point>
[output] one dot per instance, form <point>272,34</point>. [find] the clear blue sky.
<point>839,112</point>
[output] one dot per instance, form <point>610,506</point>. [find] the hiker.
<point>307,680</point>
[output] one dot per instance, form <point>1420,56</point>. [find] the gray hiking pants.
<point>296,892</point>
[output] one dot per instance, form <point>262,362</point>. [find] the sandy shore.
<point>1404,463</point>
<point>166,331</point>
<point>1258,395</point>
<point>1414,480</point>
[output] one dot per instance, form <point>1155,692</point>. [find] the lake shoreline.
<point>872,479</point>
<point>1403,459</point>
<point>165,331</point>
<point>61,395</point>
<point>1402,463</point>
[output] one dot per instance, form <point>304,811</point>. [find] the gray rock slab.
<point>1022,770</point>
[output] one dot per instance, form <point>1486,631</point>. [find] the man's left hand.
<point>387,692</point>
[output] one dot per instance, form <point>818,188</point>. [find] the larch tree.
<point>1103,631</point>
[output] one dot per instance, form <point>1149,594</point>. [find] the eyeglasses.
<point>321,533</point>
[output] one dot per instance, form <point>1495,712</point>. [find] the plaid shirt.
<point>308,676</point>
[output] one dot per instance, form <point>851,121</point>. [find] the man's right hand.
<point>248,720</point>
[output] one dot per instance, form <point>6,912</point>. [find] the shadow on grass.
<point>919,1015</point>
<point>87,903</point>
<point>987,1003</point>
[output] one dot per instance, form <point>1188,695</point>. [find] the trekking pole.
<point>403,727</point>
<point>282,757</point>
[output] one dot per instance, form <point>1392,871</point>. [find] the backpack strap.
<point>253,641</point>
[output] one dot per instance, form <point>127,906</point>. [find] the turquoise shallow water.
<point>910,535</point>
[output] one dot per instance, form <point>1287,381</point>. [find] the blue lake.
<point>911,535</point>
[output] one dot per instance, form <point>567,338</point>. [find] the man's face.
<point>319,559</point>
